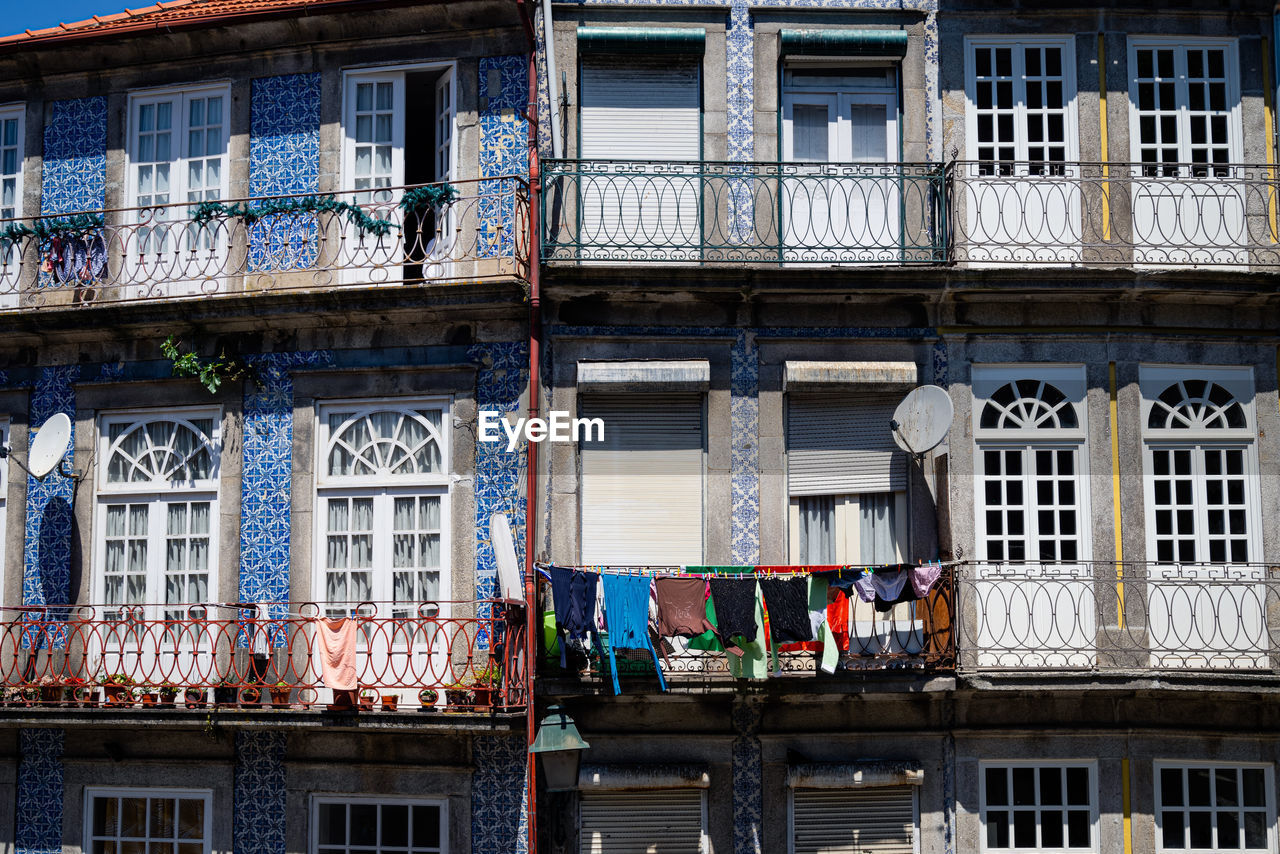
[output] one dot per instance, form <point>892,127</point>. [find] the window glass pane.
<point>997,786</point>
<point>333,824</point>
<point>364,824</point>
<point>395,825</point>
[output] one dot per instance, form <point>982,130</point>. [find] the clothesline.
<point>710,571</point>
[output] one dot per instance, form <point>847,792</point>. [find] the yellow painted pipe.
<point>1102,132</point>
<point>1126,806</point>
<point>1115,497</point>
<point>1269,117</point>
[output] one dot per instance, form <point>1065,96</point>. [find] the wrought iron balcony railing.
<point>706,212</point>
<point>429,656</point>
<point>1119,617</point>
<point>1115,215</point>
<point>389,236</point>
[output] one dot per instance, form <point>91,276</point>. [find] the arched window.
<point>1029,405</point>
<point>1030,484</point>
<point>1200,456</point>
<point>157,510</point>
<point>382,505</point>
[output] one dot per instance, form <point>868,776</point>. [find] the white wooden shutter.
<point>646,110</point>
<point>839,445</point>
<point>669,821</point>
<point>853,821</point>
<point>642,486</point>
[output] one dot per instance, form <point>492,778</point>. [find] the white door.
<point>840,200</point>
<point>373,167</point>
<point>1188,207</point>
<point>1021,196</point>
<point>642,123</point>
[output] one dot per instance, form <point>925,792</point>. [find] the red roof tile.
<point>184,13</point>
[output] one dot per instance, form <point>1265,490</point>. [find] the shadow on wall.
<point>55,561</point>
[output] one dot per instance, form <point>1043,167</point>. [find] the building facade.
<point>274,263</point>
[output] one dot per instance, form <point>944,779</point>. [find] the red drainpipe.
<point>532,623</point>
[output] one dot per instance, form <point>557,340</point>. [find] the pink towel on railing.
<point>337,653</point>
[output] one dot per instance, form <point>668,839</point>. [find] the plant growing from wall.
<point>211,372</point>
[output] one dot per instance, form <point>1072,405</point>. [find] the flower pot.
<point>194,698</point>
<point>224,695</point>
<point>86,697</point>
<point>118,695</point>
<point>367,701</point>
<point>250,698</point>
<point>427,698</point>
<point>457,697</point>
<point>150,699</point>
<point>390,702</point>
<point>167,700</point>
<point>51,695</point>
<point>280,697</point>
<point>482,695</point>
<point>343,700</point>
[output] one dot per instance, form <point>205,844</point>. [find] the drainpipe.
<point>553,84</point>
<point>1275,71</point>
<point>532,623</point>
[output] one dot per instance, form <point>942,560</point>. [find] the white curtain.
<point>817,529</point>
<point>877,532</point>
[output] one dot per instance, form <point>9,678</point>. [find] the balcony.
<point>708,212</point>
<point>1141,618</point>
<point>963,214</point>
<point>423,235</point>
<point>1145,216</point>
<point>432,656</point>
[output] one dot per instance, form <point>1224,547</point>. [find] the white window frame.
<point>396,75</point>
<point>791,815</point>
<point>1070,93</point>
<point>1239,381</point>
<point>987,379</point>
<point>16,112</point>
<point>1037,764</point>
<point>313,823</point>
<point>1235,124</point>
<point>179,154</point>
<point>92,792</point>
<point>847,526</point>
<point>384,489</point>
<point>155,495</point>
<point>1158,807</point>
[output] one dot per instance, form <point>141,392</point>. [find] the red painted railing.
<point>429,656</point>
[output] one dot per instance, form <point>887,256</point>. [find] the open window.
<point>398,133</point>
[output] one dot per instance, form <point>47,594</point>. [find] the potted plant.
<point>150,697</point>
<point>458,695</point>
<point>50,691</point>
<point>85,695</point>
<point>390,702</point>
<point>224,693</point>
<point>195,698</point>
<point>118,688</point>
<point>168,695</point>
<point>486,683</point>
<point>427,698</point>
<point>250,698</point>
<point>368,697</point>
<point>280,695</point>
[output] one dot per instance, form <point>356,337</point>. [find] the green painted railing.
<point>712,212</point>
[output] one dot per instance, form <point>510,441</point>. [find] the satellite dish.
<point>922,419</point>
<point>504,553</point>
<point>50,445</point>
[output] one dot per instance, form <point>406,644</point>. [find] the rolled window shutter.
<point>641,110</point>
<point>642,486</point>
<point>843,445</point>
<point>666,820</point>
<point>854,821</point>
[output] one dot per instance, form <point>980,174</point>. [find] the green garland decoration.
<point>47,228</point>
<point>416,199</point>
<point>211,372</point>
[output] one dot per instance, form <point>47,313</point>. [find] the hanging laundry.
<point>682,607</point>
<point>787,601</point>
<point>866,586</point>
<point>819,627</point>
<point>751,659</point>
<point>924,577</point>
<point>838,617</point>
<point>891,588</point>
<point>573,595</point>
<point>735,602</point>
<point>626,612</point>
<point>337,641</point>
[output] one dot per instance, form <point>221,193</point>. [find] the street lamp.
<point>560,748</point>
